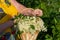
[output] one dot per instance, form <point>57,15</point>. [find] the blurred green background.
<point>51,17</point>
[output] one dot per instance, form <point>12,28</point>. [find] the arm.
<point>18,6</point>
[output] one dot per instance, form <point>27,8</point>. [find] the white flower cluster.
<point>31,24</point>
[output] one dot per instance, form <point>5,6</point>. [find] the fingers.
<point>27,11</point>
<point>32,12</point>
<point>35,35</point>
<point>38,12</point>
<point>12,0</point>
<point>29,36</point>
<point>26,36</point>
<point>23,36</point>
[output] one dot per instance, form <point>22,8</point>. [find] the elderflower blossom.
<point>30,24</point>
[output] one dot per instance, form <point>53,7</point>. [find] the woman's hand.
<point>26,11</point>
<point>29,36</point>
<point>38,12</point>
<point>30,11</point>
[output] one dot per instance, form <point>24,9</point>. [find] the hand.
<point>38,12</point>
<point>26,11</point>
<point>30,11</point>
<point>29,36</point>
<point>12,0</point>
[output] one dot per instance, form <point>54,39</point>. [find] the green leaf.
<point>32,27</point>
<point>48,37</point>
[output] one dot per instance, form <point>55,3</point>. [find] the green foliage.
<point>51,17</point>
<point>32,27</point>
